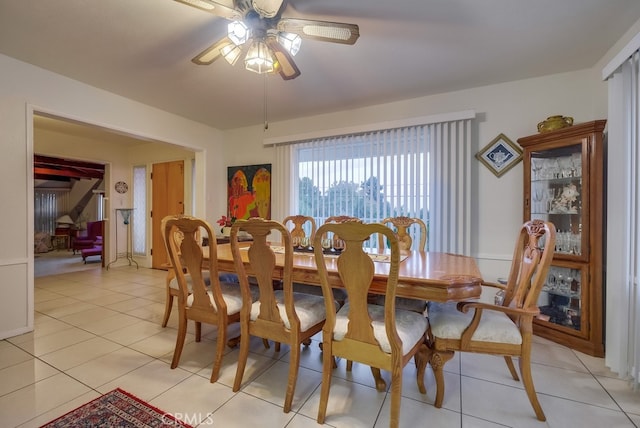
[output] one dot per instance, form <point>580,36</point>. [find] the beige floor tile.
<point>350,404</point>
<point>256,365</point>
<point>129,304</point>
<point>22,374</point>
<point>109,324</point>
<point>569,413</point>
<point>621,392</point>
<point>577,386</point>
<point>135,332</point>
<point>98,371</point>
<point>26,403</point>
<point>271,385</point>
<point>60,410</point>
<point>255,413</point>
<point>11,355</point>
<point>160,344</point>
<point>148,381</point>
<point>415,413</point>
<point>88,316</point>
<point>79,353</point>
<point>194,400</point>
<point>195,355</point>
<point>39,346</point>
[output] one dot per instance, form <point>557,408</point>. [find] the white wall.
<point>512,108</point>
<point>24,89</point>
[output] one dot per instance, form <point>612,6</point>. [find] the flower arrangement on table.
<point>227,221</point>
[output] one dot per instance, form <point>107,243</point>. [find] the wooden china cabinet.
<point>564,182</point>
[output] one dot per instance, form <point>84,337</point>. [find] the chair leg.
<point>198,331</point>
<point>438,360</point>
<point>220,344</point>
<point>349,365</point>
<point>167,308</point>
<point>182,334</point>
<point>381,385</point>
<point>527,380</point>
<point>294,364</point>
<point>421,359</point>
<point>512,368</point>
<point>243,354</point>
<point>396,395</point>
<point>327,368</point>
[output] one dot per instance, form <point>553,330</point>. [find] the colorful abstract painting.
<point>249,191</point>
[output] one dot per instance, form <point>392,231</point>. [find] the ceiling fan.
<point>268,40</point>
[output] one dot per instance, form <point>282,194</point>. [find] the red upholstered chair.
<point>92,237</point>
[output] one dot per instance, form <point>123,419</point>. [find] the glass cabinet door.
<point>556,195</point>
<point>561,299</point>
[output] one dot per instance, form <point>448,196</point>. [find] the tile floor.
<point>97,330</point>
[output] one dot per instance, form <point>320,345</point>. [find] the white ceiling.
<point>141,49</point>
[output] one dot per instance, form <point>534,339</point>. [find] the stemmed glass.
<point>538,194</point>
<point>326,244</point>
<point>536,166</point>
<point>338,244</point>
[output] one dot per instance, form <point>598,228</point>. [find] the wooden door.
<point>167,194</point>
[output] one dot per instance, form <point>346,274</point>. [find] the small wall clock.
<point>121,187</point>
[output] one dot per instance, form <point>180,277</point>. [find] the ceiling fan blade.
<point>325,31</point>
<point>214,8</point>
<point>267,8</point>
<point>286,66</point>
<point>212,53</point>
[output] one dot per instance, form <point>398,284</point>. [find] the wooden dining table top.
<point>423,275</point>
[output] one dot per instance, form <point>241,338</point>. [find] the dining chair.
<point>401,226</point>
<point>383,337</point>
<point>218,304</point>
<point>503,328</point>
<point>298,233</point>
<point>283,316</point>
<point>171,283</point>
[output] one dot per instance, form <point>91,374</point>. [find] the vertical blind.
<point>416,171</point>
<point>623,212</point>
<point>49,205</point>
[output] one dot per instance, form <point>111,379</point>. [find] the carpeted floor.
<point>117,408</point>
<point>62,261</point>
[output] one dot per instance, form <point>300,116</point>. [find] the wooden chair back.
<point>297,233</point>
<point>339,219</point>
<point>261,264</point>
<point>402,226</point>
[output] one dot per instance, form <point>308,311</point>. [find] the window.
<point>138,225</point>
<point>415,171</point>
<point>370,176</point>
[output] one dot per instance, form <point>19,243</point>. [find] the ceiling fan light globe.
<point>290,41</point>
<point>238,32</point>
<point>259,58</point>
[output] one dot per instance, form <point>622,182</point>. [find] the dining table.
<point>423,275</point>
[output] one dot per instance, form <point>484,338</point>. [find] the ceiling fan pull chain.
<point>266,122</point>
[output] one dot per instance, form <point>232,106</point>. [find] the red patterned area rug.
<point>117,408</point>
